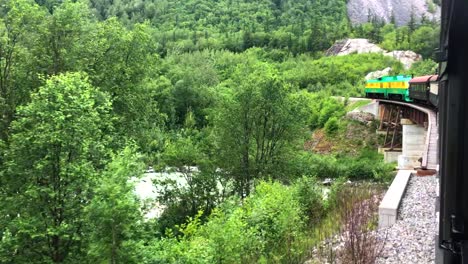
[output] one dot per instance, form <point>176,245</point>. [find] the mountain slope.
<point>360,11</point>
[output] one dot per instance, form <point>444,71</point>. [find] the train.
<point>421,89</point>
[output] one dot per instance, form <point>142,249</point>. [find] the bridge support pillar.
<point>413,144</point>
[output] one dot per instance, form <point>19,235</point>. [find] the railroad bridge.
<point>410,134</point>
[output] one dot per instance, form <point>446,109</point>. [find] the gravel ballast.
<point>412,238</point>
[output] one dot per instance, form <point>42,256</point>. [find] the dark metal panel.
<point>453,100</point>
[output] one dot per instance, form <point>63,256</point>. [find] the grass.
<point>351,137</point>
<point>357,104</point>
<point>337,221</point>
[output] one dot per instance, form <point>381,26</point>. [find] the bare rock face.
<point>358,46</point>
<point>359,11</point>
<point>407,57</point>
<point>378,74</point>
<point>349,46</point>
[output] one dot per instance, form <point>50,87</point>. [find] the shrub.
<point>334,194</point>
<point>266,227</point>
<point>358,211</point>
<point>277,218</point>
<point>331,126</point>
<point>231,238</point>
<point>309,195</point>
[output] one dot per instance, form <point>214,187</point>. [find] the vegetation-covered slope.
<point>82,92</point>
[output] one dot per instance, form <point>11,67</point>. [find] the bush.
<point>359,207</point>
<point>266,227</point>
<point>231,238</point>
<point>334,194</point>
<point>277,217</point>
<point>368,165</point>
<point>331,126</point>
<point>309,195</point>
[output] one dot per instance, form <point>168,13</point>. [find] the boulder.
<point>362,117</point>
<point>358,46</point>
<point>378,74</point>
<point>349,46</point>
<point>406,57</point>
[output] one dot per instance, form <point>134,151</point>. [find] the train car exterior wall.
<point>389,87</point>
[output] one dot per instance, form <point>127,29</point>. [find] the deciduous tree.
<point>57,146</point>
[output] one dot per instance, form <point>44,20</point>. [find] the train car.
<point>424,89</point>
<point>389,87</point>
<point>434,90</point>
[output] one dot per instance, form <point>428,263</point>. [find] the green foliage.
<point>20,32</point>
<point>264,227</point>
<point>218,92</point>
<point>331,126</point>
<point>341,75</point>
<point>56,148</point>
<point>425,67</point>
<point>422,38</point>
<point>295,26</point>
<point>203,187</point>
<point>114,212</point>
<point>366,165</point>
<point>257,123</point>
<point>334,195</point>
<point>425,40</point>
<point>309,195</point>
<point>276,215</point>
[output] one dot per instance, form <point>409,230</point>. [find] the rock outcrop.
<point>349,46</point>
<point>359,11</point>
<point>362,117</point>
<point>407,57</point>
<point>378,74</point>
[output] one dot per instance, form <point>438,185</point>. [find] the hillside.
<point>224,93</point>
<point>236,25</point>
<point>400,11</point>
<point>300,26</point>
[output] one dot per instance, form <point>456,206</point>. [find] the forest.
<point>224,92</point>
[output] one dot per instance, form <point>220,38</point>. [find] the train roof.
<point>391,78</point>
<point>421,79</point>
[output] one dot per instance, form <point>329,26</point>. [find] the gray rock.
<point>359,46</point>
<point>406,57</point>
<point>359,11</point>
<point>378,74</point>
<point>362,117</point>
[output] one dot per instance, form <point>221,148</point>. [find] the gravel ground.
<point>411,238</point>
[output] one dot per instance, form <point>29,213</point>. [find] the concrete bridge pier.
<point>413,145</point>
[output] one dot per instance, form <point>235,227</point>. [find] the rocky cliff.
<point>349,46</point>
<point>359,11</point>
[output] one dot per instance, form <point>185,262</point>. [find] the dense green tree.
<point>257,123</point>
<point>114,211</point>
<point>424,67</point>
<point>192,76</point>
<point>425,40</point>
<point>220,92</point>
<point>20,30</point>
<point>201,188</point>
<point>57,146</point>
<point>124,66</point>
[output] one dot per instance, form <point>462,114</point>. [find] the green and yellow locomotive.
<point>389,87</point>
<point>422,89</point>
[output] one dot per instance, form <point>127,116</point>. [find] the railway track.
<point>430,154</point>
